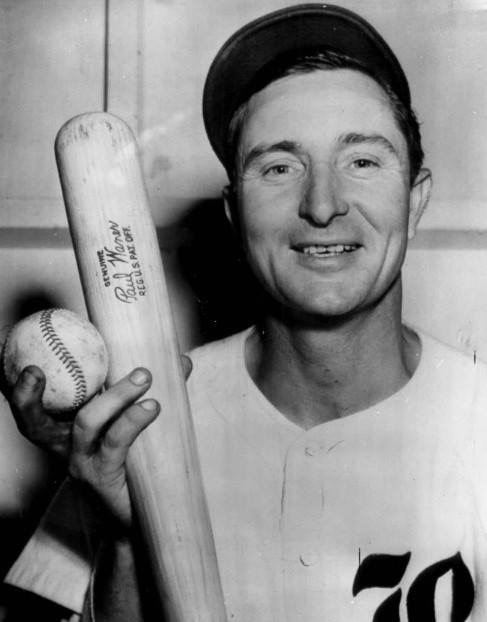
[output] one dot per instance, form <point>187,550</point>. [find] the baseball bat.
<point>120,267</point>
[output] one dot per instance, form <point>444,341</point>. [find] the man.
<point>342,452</point>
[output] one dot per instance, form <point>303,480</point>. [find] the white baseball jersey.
<point>376,517</point>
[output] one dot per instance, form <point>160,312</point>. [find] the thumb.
<point>187,365</point>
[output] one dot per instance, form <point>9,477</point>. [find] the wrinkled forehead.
<point>318,105</point>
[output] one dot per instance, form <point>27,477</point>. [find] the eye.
<point>362,163</point>
<point>277,170</point>
<point>274,168</point>
<point>281,171</point>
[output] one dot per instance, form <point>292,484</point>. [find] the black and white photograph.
<point>243,319</point>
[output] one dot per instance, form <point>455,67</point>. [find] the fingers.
<point>103,432</point>
<point>123,432</point>
<point>187,365</point>
<point>27,392</point>
<point>108,425</point>
<point>32,421</point>
<point>103,470</point>
<point>96,416</point>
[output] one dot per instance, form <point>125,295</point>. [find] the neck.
<point>319,373</point>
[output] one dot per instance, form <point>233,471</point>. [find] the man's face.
<point>323,196</point>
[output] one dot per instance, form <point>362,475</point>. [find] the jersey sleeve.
<point>57,561</point>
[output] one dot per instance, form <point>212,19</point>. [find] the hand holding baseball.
<point>68,349</point>
<point>96,443</point>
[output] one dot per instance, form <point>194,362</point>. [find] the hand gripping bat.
<point>119,261</point>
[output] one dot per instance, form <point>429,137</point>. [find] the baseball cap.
<point>295,31</point>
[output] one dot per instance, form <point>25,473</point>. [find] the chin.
<point>341,304</point>
<point>322,309</point>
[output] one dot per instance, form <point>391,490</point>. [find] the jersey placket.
<point>304,510</point>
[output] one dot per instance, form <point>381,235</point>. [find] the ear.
<point>229,200</point>
<point>418,199</point>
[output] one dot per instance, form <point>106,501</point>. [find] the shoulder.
<point>215,356</point>
<point>449,364</point>
<point>217,364</point>
<point>447,388</point>
<point>453,384</point>
<point>210,353</point>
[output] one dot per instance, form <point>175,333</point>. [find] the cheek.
<point>386,207</point>
<point>260,239</point>
<point>265,217</point>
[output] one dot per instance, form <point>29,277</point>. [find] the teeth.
<point>333,249</point>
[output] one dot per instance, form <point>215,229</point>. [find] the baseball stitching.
<point>62,353</point>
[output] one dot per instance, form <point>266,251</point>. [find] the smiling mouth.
<point>329,250</point>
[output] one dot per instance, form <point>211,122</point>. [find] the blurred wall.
<point>146,61</point>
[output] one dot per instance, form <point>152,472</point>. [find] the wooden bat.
<point>121,272</point>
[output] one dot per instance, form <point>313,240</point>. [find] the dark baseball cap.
<point>280,36</point>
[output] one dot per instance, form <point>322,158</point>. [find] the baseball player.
<point>343,452</point>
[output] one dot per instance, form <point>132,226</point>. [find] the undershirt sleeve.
<point>57,561</point>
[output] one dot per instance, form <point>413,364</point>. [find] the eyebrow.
<point>354,138</point>
<point>264,148</point>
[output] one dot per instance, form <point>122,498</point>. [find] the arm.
<point>95,447</point>
<point>114,594</point>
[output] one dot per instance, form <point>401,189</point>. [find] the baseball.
<point>68,349</point>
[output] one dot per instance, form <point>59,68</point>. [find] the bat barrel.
<point>123,281</point>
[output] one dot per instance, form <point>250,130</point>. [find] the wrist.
<point>98,519</point>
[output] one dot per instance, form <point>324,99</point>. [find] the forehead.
<point>319,105</point>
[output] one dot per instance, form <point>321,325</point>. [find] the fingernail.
<point>149,405</point>
<point>139,377</point>
<point>29,380</point>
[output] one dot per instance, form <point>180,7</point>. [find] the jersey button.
<point>308,559</point>
<point>311,450</point>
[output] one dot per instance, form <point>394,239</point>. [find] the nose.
<point>322,200</point>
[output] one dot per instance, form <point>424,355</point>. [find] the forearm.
<point>114,595</point>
